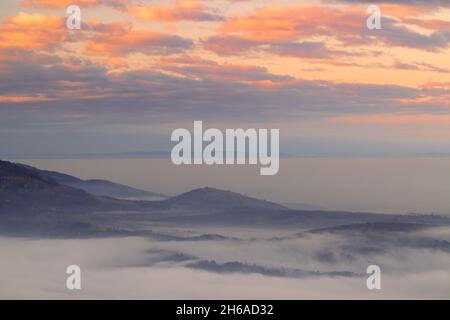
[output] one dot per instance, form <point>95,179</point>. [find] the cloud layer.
<point>224,60</point>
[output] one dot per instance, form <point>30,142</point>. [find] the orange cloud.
<point>195,67</point>
<point>118,38</point>
<point>432,24</point>
<point>433,94</point>
<point>436,86</point>
<point>283,23</point>
<point>33,31</point>
<point>300,30</point>
<point>182,10</point>
<point>8,55</point>
<point>154,13</point>
<point>404,10</point>
<point>393,119</point>
<point>57,4</point>
<point>18,99</point>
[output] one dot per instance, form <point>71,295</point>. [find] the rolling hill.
<point>97,187</point>
<point>32,198</point>
<point>25,190</point>
<point>215,199</point>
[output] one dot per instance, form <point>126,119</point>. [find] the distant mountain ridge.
<point>28,188</point>
<point>24,189</point>
<point>33,202</point>
<point>211,198</point>
<point>97,187</point>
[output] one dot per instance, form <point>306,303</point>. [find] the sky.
<point>137,70</point>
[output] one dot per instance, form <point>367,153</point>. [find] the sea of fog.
<point>250,263</point>
<point>389,185</point>
<point>140,268</point>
